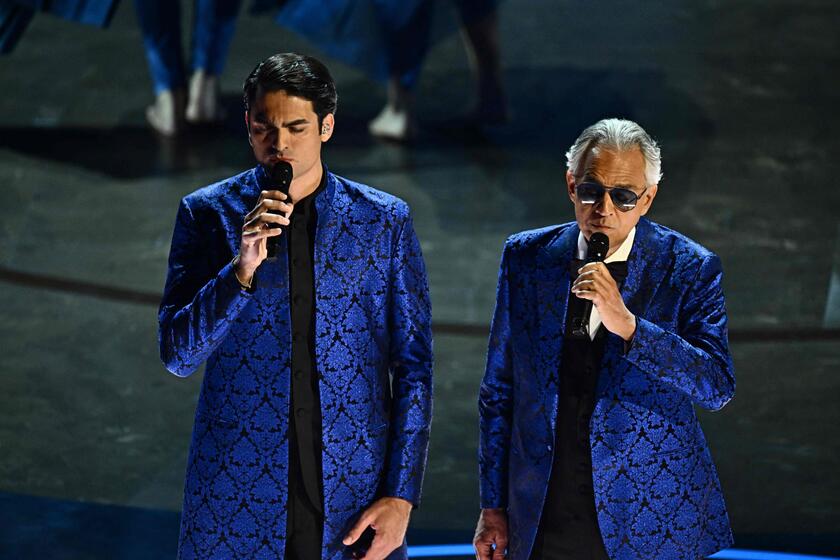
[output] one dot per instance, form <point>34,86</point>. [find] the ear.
<point>248,128</point>
<point>647,198</point>
<point>570,185</point>
<point>327,127</point>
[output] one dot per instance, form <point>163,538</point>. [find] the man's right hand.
<point>261,223</point>
<point>492,530</point>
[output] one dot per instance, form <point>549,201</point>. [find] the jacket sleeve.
<point>696,359</point>
<point>410,316</point>
<point>199,304</point>
<point>495,400</point>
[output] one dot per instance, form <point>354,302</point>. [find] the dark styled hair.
<point>296,74</point>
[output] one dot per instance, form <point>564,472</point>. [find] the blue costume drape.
<point>214,22</point>
<point>373,353</point>
<point>15,15</point>
<point>381,37</point>
<point>657,494</point>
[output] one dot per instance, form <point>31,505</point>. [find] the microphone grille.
<point>599,246</point>
<point>281,175</point>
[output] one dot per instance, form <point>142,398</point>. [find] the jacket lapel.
<point>646,267</point>
<point>553,282</point>
<point>331,204</point>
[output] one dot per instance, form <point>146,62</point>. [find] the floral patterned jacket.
<point>373,350</point>
<point>656,489</point>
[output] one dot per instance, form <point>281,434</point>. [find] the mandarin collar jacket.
<point>373,351</point>
<point>657,494</point>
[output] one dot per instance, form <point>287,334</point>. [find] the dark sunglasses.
<point>623,199</point>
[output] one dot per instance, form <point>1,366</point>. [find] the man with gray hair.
<point>589,446</point>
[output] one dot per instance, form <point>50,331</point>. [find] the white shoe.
<point>393,124</point>
<point>204,99</point>
<point>166,116</point>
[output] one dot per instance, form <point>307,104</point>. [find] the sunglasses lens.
<point>588,193</point>
<point>624,198</point>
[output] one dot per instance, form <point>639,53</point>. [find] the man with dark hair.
<point>589,446</point>
<point>312,426</point>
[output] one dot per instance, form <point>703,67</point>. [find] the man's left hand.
<point>388,517</point>
<point>595,283</point>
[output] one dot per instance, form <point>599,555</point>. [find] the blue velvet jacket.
<point>657,494</point>
<point>373,350</point>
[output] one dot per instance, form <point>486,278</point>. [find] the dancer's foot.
<point>393,124</point>
<point>166,115</point>
<point>204,104</point>
<point>396,119</point>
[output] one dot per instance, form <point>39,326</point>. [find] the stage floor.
<point>742,96</point>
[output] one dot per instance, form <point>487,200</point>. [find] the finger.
<point>588,273</point>
<point>588,266</point>
<point>587,285</point>
<point>264,220</point>
<point>272,204</point>
<point>273,194</point>
<point>266,217</point>
<point>483,550</point>
<point>261,234</point>
<point>270,218</point>
<point>380,548</point>
<point>357,529</point>
<point>585,294</point>
<point>501,545</point>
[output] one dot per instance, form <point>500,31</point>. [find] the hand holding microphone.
<point>596,284</point>
<point>265,223</point>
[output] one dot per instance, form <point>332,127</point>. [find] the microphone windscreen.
<point>599,246</point>
<point>281,176</point>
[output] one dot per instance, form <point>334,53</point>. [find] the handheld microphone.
<point>280,177</point>
<point>599,245</point>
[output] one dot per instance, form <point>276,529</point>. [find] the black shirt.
<point>569,522</point>
<point>305,402</point>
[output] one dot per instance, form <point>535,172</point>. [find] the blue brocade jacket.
<point>657,493</point>
<point>373,349</point>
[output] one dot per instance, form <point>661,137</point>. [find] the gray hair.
<point>619,135</point>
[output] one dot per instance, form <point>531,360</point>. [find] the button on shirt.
<point>305,405</point>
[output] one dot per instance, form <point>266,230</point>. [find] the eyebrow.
<point>263,119</point>
<point>591,179</point>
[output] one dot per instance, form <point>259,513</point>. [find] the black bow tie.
<point>618,269</point>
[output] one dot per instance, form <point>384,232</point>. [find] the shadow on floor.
<point>550,106</point>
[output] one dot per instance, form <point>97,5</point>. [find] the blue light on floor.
<point>436,550</point>
<point>439,550</point>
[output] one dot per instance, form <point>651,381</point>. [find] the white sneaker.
<point>393,124</point>
<point>166,116</point>
<point>204,99</point>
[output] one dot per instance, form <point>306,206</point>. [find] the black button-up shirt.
<point>305,404</point>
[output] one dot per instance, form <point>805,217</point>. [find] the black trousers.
<point>585,545</point>
<point>304,523</point>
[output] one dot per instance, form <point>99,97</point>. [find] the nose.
<point>281,142</point>
<point>605,206</point>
